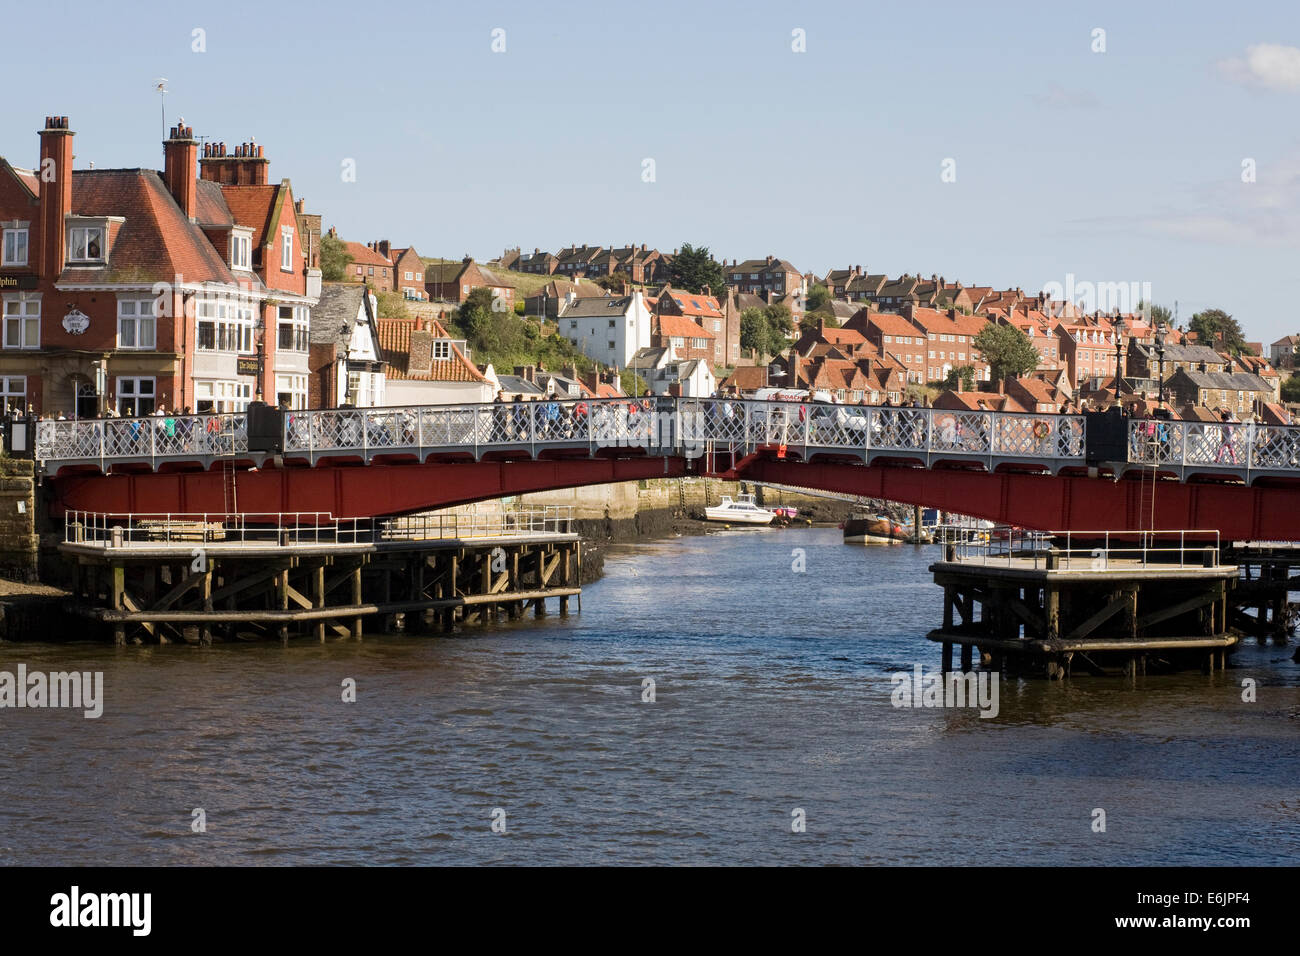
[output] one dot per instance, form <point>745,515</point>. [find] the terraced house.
<point>770,276</point>
<point>133,289</point>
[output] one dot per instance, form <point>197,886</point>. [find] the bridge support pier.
<point>1038,612</point>
<point>240,589</point>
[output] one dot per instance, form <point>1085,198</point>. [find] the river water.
<point>772,695</point>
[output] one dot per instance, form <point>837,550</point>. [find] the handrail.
<point>1083,550</point>
<point>280,529</point>
<point>687,426</point>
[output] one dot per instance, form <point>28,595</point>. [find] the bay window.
<point>292,323</point>
<point>225,325</point>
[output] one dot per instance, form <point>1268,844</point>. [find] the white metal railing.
<point>280,529</point>
<point>1084,550</point>
<point>1233,445</point>
<point>142,439</point>
<point>687,426</point>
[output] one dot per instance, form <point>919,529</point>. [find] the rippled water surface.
<point>772,693</point>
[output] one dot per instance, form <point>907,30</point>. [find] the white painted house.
<point>346,365</point>
<point>609,330</point>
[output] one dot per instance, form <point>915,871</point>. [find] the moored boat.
<point>874,529</point>
<point>738,510</point>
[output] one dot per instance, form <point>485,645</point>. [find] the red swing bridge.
<point>1034,471</point>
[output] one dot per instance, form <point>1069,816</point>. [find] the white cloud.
<point>1225,211</point>
<point>1270,66</point>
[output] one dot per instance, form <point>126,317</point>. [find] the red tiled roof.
<point>971,401</point>
<point>889,323</point>
<point>251,206</point>
<point>692,303</point>
<point>157,242</point>
<point>683,327</point>
<point>933,320</point>
<point>365,256</point>
<point>747,377</point>
<point>28,178</point>
<point>395,344</point>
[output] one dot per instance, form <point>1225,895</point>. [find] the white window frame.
<point>286,248</point>
<point>135,394</point>
<point>298,321</point>
<point>293,385</point>
<point>13,387</point>
<point>15,231</point>
<point>103,243</point>
<point>441,350</point>
<point>24,317</point>
<point>232,322</point>
<point>134,315</point>
<point>241,250</point>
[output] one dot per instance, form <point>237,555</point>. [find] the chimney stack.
<point>244,165</point>
<point>180,155</point>
<point>55,193</point>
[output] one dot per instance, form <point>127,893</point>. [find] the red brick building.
<point>706,312</point>
<point>688,339</point>
<point>370,265</point>
<point>408,273</point>
<point>454,281</point>
<point>129,289</point>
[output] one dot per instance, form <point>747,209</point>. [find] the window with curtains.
<point>22,321</point>
<point>136,324</point>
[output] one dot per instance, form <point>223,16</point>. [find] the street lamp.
<point>1120,328</point>
<point>1160,357</point>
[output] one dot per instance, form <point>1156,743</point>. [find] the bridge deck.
<point>688,427</point>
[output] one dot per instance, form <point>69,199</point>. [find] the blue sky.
<point>1115,166</point>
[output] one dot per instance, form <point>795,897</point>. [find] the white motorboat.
<point>740,510</point>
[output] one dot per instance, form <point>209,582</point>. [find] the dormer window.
<point>86,244</point>
<point>241,250</point>
<point>442,350</point>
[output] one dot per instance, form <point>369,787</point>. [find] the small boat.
<point>740,510</point>
<point>874,529</point>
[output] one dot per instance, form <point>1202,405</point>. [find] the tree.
<point>811,322</point>
<point>961,378</point>
<point>1007,350</point>
<point>765,331</point>
<point>696,271</point>
<point>490,326</point>
<point>1218,329</point>
<point>1291,388</point>
<point>1156,314</point>
<point>615,281</point>
<point>334,258</point>
<point>818,298</point>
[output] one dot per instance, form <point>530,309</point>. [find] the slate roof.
<point>592,306</point>
<point>1228,381</point>
<point>336,313</point>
